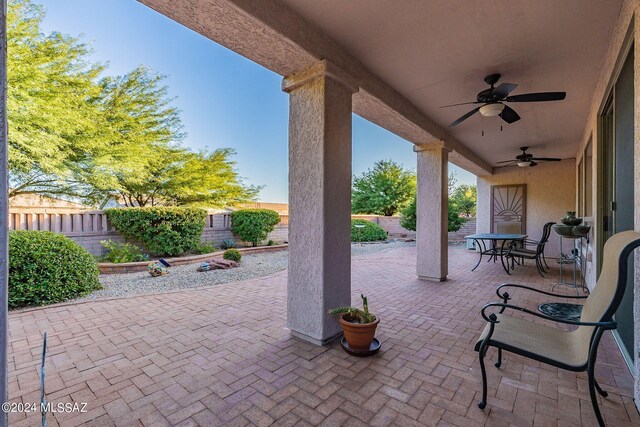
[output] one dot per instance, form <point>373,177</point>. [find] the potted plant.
<point>359,326</point>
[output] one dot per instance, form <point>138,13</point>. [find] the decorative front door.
<point>508,209</point>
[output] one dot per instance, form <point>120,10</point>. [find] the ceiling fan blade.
<point>532,164</point>
<point>537,97</point>
<point>503,90</point>
<point>509,115</point>
<point>507,165</point>
<point>465,117</point>
<point>508,161</point>
<point>545,159</point>
<point>462,103</point>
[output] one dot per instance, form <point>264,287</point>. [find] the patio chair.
<point>522,252</point>
<point>574,350</point>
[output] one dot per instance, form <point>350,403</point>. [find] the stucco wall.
<point>624,33</point>
<point>550,193</point>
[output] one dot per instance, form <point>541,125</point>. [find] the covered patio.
<point>222,355</point>
<point>263,351</point>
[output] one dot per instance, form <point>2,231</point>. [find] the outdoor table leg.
<point>506,267</point>
<point>482,250</point>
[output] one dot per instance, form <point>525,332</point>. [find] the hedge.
<point>367,232</point>
<point>162,230</point>
<point>46,267</point>
<point>254,225</point>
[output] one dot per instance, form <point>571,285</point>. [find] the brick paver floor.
<point>223,356</point>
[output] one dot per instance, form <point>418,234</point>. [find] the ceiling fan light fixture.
<point>524,164</point>
<point>490,110</point>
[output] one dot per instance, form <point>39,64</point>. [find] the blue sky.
<point>226,100</point>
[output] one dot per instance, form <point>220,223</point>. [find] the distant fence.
<point>89,227</point>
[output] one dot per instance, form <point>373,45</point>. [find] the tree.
<point>408,219</point>
<point>53,119</point>
<point>451,183</point>
<point>383,190</point>
<point>183,178</point>
<point>143,162</point>
<point>464,198</point>
<point>408,215</point>
<point>77,135</point>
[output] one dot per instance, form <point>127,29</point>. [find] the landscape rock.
<point>217,264</point>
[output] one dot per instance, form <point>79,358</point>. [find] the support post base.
<point>313,340</point>
<point>433,279</point>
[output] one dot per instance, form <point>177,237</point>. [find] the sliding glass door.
<point>617,173</point>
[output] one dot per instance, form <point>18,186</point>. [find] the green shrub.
<point>368,232</point>
<point>205,247</point>
<point>271,243</point>
<point>122,252</point>
<point>227,244</point>
<point>408,219</point>
<point>46,267</point>
<point>254,225</point>
<point>162,230</point>
<point>232,254</point>
<point>408,216</point>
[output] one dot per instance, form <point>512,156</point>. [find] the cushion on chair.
<point>565,347</point>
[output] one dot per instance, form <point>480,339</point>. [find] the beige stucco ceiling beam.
<point>274,36</point>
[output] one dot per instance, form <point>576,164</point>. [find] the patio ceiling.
<point>411,59</point>
<point>437,52</point>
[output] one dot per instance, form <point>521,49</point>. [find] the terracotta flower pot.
<point>359,336</point>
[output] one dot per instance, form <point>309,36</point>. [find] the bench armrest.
<point>506,297</point>
<point>492,318</point>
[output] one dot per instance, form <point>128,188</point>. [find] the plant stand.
<point>561,309</point>
<point>575,258</point>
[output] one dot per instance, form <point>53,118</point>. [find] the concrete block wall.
<point>89,228</point>
<point>91,242</point>
<point>469,227</point>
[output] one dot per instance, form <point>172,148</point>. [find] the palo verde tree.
<point>383,190</point>
<point>143,130</point>
<point>77,134</point>
<point>52,114</point>
<point>178,177</point>
<point>143,163</point>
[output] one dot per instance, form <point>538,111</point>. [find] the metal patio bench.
<point>574,350</point>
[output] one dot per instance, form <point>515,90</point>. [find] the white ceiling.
<point>437,52</point>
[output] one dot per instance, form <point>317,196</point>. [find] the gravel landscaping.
<point>186,276</point>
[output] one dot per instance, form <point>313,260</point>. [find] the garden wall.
<point>89,227</point>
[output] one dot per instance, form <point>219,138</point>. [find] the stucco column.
<point>319,200</point>
<point>636,195</point>
<point>4,213</point>
<point>431,212</point>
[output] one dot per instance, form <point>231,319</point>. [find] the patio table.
<point>492,249</point>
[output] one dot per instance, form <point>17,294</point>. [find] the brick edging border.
<point>134,267</point>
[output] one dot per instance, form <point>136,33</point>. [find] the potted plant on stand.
<point>359,327</point>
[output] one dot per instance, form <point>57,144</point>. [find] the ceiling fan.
<point>526,159</point>
<point>494,97</point>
